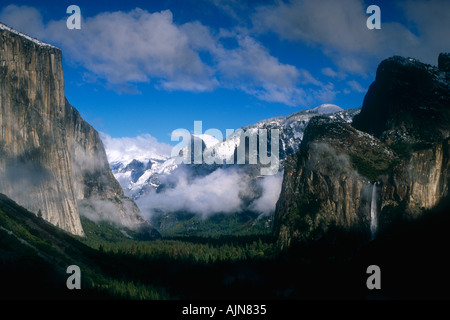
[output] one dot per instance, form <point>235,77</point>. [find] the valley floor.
<point>34,256</point>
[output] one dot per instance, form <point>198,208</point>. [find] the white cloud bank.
<point>339,29</point>
<point>271,188</point>
<point>142,148</point>
<point>218,192</point>
<point>222,191</point>
<point>226,190</point>
<point>123,49</point>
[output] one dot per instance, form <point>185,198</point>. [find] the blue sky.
<point>150,67</point>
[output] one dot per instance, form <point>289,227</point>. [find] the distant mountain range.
<point>138,175</point>
<point>147,179</point>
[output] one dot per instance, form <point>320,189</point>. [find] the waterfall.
<point>373,212</point>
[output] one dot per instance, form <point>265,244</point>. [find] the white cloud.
<point>122,49</point>
<point>219,192</point>
<point>271,188</point>
<point>356,86</point>
<point>252,69</point>
<point>291,96</point>
<point>136,46</point>
<point>25,19</point>
<point>307,78</point>
<point>222,191</point>
<point>333,74</point>
<point>236,9</point>
<point>251,61</point>
<point>140,148</point>
<point>329,72</point>
<point>339,29</point>
<point>318,22</point>
<point>433,27</point>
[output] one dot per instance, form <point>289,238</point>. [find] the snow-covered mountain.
<point>293,126</point>
<point>139,171</point>
<point>137,162</point>
<point>325,109</point>
<point>144,177</point>
<point>290,128</point>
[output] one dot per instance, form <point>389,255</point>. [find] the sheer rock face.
<point>51,160</point>
<point>400,141</point>
<point>322,186</point>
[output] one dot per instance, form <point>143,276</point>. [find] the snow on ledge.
<point>39,43</point>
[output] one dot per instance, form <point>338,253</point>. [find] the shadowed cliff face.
<point>328,183</point>
<point>99,195</point>
<point>409,102</point>
<point>51,161</point>
<point>400,141</point>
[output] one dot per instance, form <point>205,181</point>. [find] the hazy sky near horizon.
<point>140,68</point>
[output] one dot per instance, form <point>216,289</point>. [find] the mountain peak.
<point>407,102</point>
<point>208,140</point>
<point>325,109</point>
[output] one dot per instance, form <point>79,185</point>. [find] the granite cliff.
<point>52,162</point>
<point>387,167</point>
